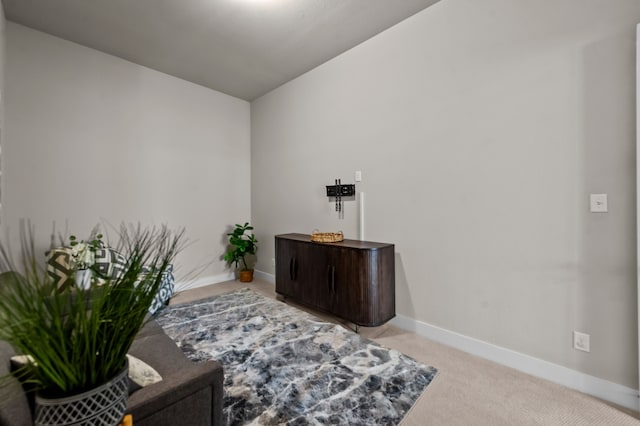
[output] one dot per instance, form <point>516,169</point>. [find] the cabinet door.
<point>344,285</point>
<point>296,267</point>
<point>306,266</point>
<point>286,271</point>
<point>322,273</point>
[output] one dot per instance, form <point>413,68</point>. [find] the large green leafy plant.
<point>241,244</point>
<point>79,338</point>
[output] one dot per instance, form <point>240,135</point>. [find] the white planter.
<point>83,279</point>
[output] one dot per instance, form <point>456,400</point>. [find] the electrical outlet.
<point>581,341</point>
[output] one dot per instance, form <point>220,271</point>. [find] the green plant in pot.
<point>78,338</point>
<point>242,243</point>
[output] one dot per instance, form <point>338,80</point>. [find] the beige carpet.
<point>469,390</point>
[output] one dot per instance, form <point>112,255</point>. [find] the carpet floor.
<point>283,365</point>
<point>469,390</point>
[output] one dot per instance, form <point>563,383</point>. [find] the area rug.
<point>285,366</point>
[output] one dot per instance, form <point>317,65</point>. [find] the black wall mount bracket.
<point>338,191</point>
<point>341,190</point>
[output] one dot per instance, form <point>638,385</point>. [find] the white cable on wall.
<point>361,216</point>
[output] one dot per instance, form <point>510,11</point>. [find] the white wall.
<point>638,170</point>
<point>480,129</point>
<point>2,67</point>
<point>90,137</point>
<point>2,44</point>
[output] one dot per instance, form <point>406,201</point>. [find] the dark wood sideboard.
<point>354,280</point>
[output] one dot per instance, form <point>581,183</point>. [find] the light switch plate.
<point>598,203</point>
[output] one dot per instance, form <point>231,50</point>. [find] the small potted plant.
<point>83,258</point>
<point>242,243</point>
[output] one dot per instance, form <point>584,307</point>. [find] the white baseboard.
<point>216,279</point>
<point>270,278</point>
<point>573,379</point>
<point>204,281</point>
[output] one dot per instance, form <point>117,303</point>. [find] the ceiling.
<point>243,48</point>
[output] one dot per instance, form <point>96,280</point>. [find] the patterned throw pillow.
<point>109,263</point>
<point>165,292</point>
<point>59,268</point>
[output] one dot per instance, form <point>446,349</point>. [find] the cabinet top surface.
<point>369,245</point>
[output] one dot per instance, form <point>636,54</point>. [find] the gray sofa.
<point>189,394</point>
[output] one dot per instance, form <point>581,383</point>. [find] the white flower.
<point>83,255</point>
<point>82,252</point>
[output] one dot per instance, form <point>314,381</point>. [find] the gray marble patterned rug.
<point>284,366</point>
